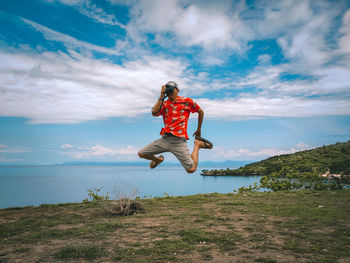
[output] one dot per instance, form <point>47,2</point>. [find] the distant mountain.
<point>78,163</point>
<point>335,158</point>
<point>227,163</point>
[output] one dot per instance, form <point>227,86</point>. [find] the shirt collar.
<point>178,98</point>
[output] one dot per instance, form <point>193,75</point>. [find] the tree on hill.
<point>333,158</point>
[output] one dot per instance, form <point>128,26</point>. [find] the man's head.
<point>171,87</point>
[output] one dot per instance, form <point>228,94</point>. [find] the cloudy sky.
<point>78,78</point>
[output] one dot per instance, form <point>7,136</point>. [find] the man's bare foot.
<point>154,164</point>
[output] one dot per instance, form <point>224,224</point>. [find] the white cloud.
<point>302,27</point>
<point>206,28</point>
<point>308,43</point>
<point>3,159</point>
<point>67,2</point>
<point>264,59</point>
<point>91,10</point>
<point>56,88</point>
<point>100,151</point>
<point>344,41</point>
<point>68,41</point>
<point>4,149</point>
<point>226,24</point>
<point>247,154</point>
<point>15,149</point>
<point>333,79</point>
<point>314,48</point>
<point>259,107</point>
<point>302,146</point>
<point>312,78</point>
<point>94,151</point>
<point>273,18</point>
<point>128,150</point>
<point>209,25</point>
<point>72,88</point>
<point>263,77</point>
<point>67,146</point>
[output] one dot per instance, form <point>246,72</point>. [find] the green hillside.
<point>335,158</point>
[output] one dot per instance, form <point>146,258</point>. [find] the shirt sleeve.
<point>161,112</point>
<point>194,107</point>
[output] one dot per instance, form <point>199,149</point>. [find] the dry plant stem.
<point>123,204</point>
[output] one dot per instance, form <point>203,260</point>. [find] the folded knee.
<point>192,170</point>
<point>141,155</point>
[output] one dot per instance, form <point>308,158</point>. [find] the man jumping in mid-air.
<point>175,111</point>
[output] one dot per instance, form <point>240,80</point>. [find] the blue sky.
<point>78,77</point>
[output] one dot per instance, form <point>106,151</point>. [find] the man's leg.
<point>178,146</point>
<point>197,145</point>
<point>155,160</point>
<point>149,152</point>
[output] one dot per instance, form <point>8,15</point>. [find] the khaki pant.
<point>170,143</point>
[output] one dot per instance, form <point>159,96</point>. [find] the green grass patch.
<point>226,241</point>
<point>265,260</point>
<point>88,252</point>
<point>165,249</point>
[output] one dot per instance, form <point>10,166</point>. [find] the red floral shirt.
<point>175,115</point>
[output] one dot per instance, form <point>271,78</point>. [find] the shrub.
<point>94,196</point>
<point>290,179</point>
<point>250,188</point>
<point>123,205</point>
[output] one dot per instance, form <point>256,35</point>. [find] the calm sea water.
<point>36,185</point>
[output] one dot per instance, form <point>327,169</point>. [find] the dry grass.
<point>122,207</point>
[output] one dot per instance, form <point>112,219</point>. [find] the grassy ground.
<point>255,227</point>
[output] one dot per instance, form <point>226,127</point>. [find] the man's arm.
<point>197,133</point>
<point>156,108</point>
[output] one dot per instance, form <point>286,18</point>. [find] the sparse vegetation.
<point>122,207</point>
<point>289,179</point>
<point>95,196</point>
<point>124,204</point>
<point>88,252</point>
